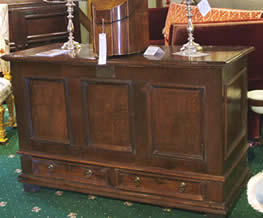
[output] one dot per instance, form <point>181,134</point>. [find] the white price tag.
<point>153,50</point>
<point>204,7</point>
<point>102,49</point>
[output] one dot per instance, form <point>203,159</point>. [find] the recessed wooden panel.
<point>50,23</point>
<point>47,104</point>
<point>176,114</point>
<point>109,115</point>
<point>235,107</point>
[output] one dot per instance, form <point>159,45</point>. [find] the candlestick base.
<point>193,46</point>
<point>190,49</point>
<point>71,45</point>
<point>190,53</point>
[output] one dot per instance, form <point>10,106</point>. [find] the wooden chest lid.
<point>113,10</point>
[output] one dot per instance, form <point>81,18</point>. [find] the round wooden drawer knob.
<point>137,180</point>
<point>50,166</point>
<point>182,187</point>
<point>88,173</point>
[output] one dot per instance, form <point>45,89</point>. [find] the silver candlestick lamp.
<point>70,44</point>
<point>191,48</point>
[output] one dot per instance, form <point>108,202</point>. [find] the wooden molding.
<point>85,21</point>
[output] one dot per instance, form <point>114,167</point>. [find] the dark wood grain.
<point>126,25</point>
<point>169,132</point>
<point>48,110</point>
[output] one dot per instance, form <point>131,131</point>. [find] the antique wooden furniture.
<point>170,132</point>
<point>125,24</point>
<point>6,95</point>
<point>34,22</point>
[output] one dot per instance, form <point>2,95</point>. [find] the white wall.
<point>248,4</point>
<point>151,4</point>
<point>239,4</point>
<point>84,33</point>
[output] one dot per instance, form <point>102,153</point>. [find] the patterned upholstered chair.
<point>5,81</point>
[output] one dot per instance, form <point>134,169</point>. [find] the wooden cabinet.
<point>170,132</point>
<point>34,23</point>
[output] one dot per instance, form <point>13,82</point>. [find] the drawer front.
<point>88,174</point>
<point>48,168</point>
<point>72,172</point>
<point>160,185</point>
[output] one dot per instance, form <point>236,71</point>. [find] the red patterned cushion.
<point>177,14</point>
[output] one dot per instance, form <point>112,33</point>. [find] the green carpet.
<point>52,203</point>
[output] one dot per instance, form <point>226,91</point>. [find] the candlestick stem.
<point>70,44</point>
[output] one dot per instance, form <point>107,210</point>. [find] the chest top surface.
<point>217,55</point>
